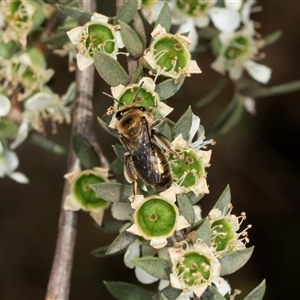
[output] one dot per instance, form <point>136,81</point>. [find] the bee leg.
<point>163,142</point>
<point>130,173</point>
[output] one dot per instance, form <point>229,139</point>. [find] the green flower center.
<point>170,54</point>
<point>85,195</point>
<point>193,269</point>
<point>96,37</point>
<point>143,98</point>
<point>223,235</point>
<point>156,217</point>
<point>237,49</point>
<point>192,8</point>
<point>186,170</point>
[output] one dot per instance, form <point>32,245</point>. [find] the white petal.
<point>22,134</point>
<point>158,31</point>
<point>226,20</point>
<point>134,230</point>
<point>202,21</point>
<point>97,215</point>
<point>4,106</point>
<point>164,109</point>
<point>174,281</point>
<point>19,177</point>
<point>246,10</point>
<point>233,4</point>
<point>194,128</point>
<point>73,34</point>
<point>189,27</point>
<point>143,276</point>
<point>169,194</point>
<point>119,41</point>
<point>148,83</point>
<point>83,62</point>
<point>133,251</point>
<point>71,204</point>
<point>122,211</point>
<point>197,211</point>
<point>158,243</point>
<point>222,285</point>
<point>99,18</point>
<point>260,73</point>
<point>250,105</point>
<point>12,161</point>
<point>199,290</point>
<point>193,67</point>
<point>182,223</point>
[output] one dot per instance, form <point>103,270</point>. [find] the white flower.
<point>188,170</point>
<point>8,164</point>
<point>95,35</point>
<point>142,94</point>
<point>4,106</point>
<point>156,218</point>
<point>82,196</point>
<point>237,53</point>
<point>194,267</point>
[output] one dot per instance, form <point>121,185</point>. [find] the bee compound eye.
<point>142,108</point>
<point>119,115</point>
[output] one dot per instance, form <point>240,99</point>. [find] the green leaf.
<point>204,232</point>
<point>165,17</point>
<point>99,252</point>
<point>112,191</point>
<point>120,151</point>
<point>111,226</point>
<point>272,38</point>
<point>258,292</point>
<point>224,200</point>
<point>167,293</point>
<point>168,88</point>
<point>186,208</point>
<point>155,266</point>
<point>194,198</point>
<point>230,116</point>
<point>84,151</point>
<point>105,127</point>
<point>213,93</point>
<point>127,11</point>
<point>76,13</point>
<point>56,41</point>
<point>233,261</point>
<point>131,40</point>
<point>212,293</point>
<point>8,128</point>
<point>117,166</point>
<point>46,144</point>
<point>138,26</point>
<point>110,70</point>
<point>165,129</point>
<point>215,45</point>
<point>184,124</point>
<point>123,240</point>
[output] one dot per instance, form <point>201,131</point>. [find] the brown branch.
<point>60,277</point>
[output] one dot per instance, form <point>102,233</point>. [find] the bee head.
<point>129,109</point>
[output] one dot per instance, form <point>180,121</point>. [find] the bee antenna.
<point>137,92</point>
<point>110,96</point>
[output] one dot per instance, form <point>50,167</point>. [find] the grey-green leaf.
<point>231,262</point>
<point>127,11</point>
<point>165,17</point>
<point>272,38</point>
<point>204,232</point>
<point>84,151</point>
<point>167,293</point>
<point>155,266</point>
<point>120,151</point>
<point>76,13</point>
<point>123,240</point>
<point>111,226</point>
<point>127,291</point>
<point>184,124</point>
<point>224,200</point>
<point>131,40</point>
<point>112,191</point>
<point>186,208</point>
<point>212,293</point>
<point>258,292</point>
<point>109,130</point>
<point>110,70</point>
<point>168,88</point>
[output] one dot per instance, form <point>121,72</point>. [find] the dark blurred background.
<point>259,159</point>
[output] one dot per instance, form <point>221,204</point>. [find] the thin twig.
<point>60,277</point>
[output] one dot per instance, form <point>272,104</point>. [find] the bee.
<point>146,158</point>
